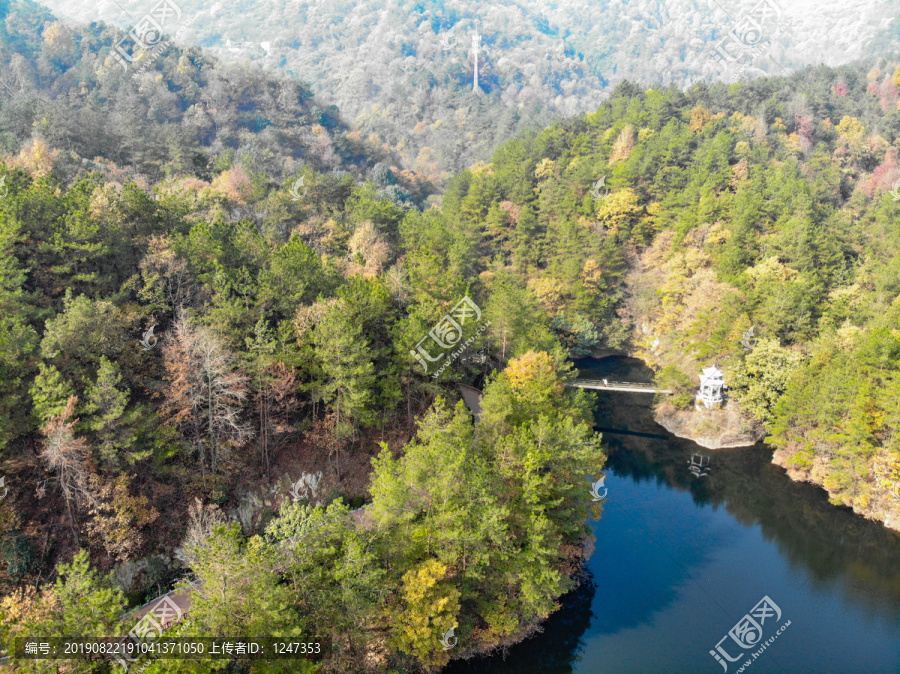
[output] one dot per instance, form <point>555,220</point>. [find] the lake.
<point>680,560</point>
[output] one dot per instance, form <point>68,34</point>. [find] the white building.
<point>712,385</point>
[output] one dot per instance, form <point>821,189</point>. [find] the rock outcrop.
<point>710,428</point>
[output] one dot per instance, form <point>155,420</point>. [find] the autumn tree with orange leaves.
<point>206,393</point>
<point>68,456</point>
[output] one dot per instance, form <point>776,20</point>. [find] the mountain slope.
<point>402,71</point>
<point>188,113</point>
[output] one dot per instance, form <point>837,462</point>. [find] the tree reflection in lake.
<point>830,541</point>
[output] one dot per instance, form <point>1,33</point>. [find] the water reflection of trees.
<point>830,542</point>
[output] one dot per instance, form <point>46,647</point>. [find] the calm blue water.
<point>679,560</point>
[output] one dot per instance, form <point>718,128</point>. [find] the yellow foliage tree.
<point>550,292</point>
<point>886,470</point>
<point>679,269</point>
<point>792,144</point>
<point>852,137</point>
<point>545,169</point>
<point>740,172</point>
<point>58,40</point>
<point>104,203</point>
<point>54,33</point>
<point>717,235</point>
<point>368,253</point>
<point>699,117</point>
<point>619,210</point>
<point>746,123</point>
<point>851,129</point>
<point>534,370</point>
<point>623,146</point>
<point>644,134</point>
<point>37,159</point>
<point>592,276</point>
<point>118,518</point>
<point>770,269</point>
<point>847,335</point>
<point>26,612</point>
<point>427,607</point>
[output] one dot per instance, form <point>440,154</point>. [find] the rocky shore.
<point>710,428</point>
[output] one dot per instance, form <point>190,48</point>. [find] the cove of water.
<point>679,560</point>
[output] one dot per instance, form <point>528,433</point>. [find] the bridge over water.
<point>606,385</point>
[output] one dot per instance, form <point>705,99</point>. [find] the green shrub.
<point>674,379</point>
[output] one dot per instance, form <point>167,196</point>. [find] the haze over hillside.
<point>403,71</point>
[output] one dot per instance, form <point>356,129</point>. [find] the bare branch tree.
<point>206,392</point>
<point>202,521</point>
<point>67,457</point>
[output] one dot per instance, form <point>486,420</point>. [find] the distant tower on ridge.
<point>476,44</point>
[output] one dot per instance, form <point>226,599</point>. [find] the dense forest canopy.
<point>187,114</point>
<point>183,322</point>
<point>402,72</point>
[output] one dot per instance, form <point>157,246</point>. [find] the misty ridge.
<point>401,73</point>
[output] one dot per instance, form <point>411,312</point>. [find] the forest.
<point>210,286</point>
<point>402,72</point>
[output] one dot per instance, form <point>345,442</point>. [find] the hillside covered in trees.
<point>182,320</point>
<point>287,325</point>
<point>402,72</point>
<point>667,224</point>
<point>187,114</point>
